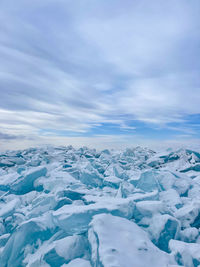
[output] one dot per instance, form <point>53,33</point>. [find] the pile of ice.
<point>68,207</point>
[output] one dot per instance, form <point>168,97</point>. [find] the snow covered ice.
<point>81,207</point>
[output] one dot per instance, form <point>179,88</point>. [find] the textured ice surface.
<point>77,262</point>
<point>86,208</point>
<point>119,242</point>
<point>186,254</point>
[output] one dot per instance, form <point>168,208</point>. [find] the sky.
<point>101,73</point>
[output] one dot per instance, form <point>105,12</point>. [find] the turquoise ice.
<point>61,206</point>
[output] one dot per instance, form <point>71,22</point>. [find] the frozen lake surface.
<point>81,207</point>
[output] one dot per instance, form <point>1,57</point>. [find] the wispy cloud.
<point>7,137</point>
<point>75,66</point>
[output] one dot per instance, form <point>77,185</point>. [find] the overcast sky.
<point>99,72</point>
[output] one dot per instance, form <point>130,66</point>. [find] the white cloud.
<point>72,66</point>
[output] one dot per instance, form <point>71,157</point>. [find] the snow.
<point>187,254</point>
<point>119,242</point>
<point>8,208</point>
<point>70,247</point>
<point>189,234</point>
<point>61,206</point>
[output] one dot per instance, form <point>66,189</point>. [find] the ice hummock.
<point>61,206</point>
<point>119,242</point>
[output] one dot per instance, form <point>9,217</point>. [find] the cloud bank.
<point>88,68</point>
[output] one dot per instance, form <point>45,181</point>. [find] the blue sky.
<point>99,73</point>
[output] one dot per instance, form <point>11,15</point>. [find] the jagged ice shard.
<point>81,207</point>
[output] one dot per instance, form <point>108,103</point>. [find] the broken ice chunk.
<point>3,239</point>
<point>17,160</point>
<point>91,178</point>
<point>34,162</point>
<point>25,183</point>
<point>8,208</point>
<point>116,171</point>
<point>71,247</point>
<point>24,236</point>
<point>2,228</point>
<point>55,181</point>
<point>189,234</point>
<point>147,209</point>
<point>75,219</point>
<point>195,167</point>
<point>8,179</point>
<point>65,250</point>
<point>188,214</point>
<point>163,180</point>
<point>119,242</point>
<point>71,194</point>
<point>125,189</point>
<point>112,181</point>
<point>6,163</point>
<point>171,198</point>
<point>163,228</point>
<point>57,250</point>
<point>186,254</point>
<point>194,191</point>
<point>148,182</point>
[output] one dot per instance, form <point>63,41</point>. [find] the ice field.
<point>61,206</point>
